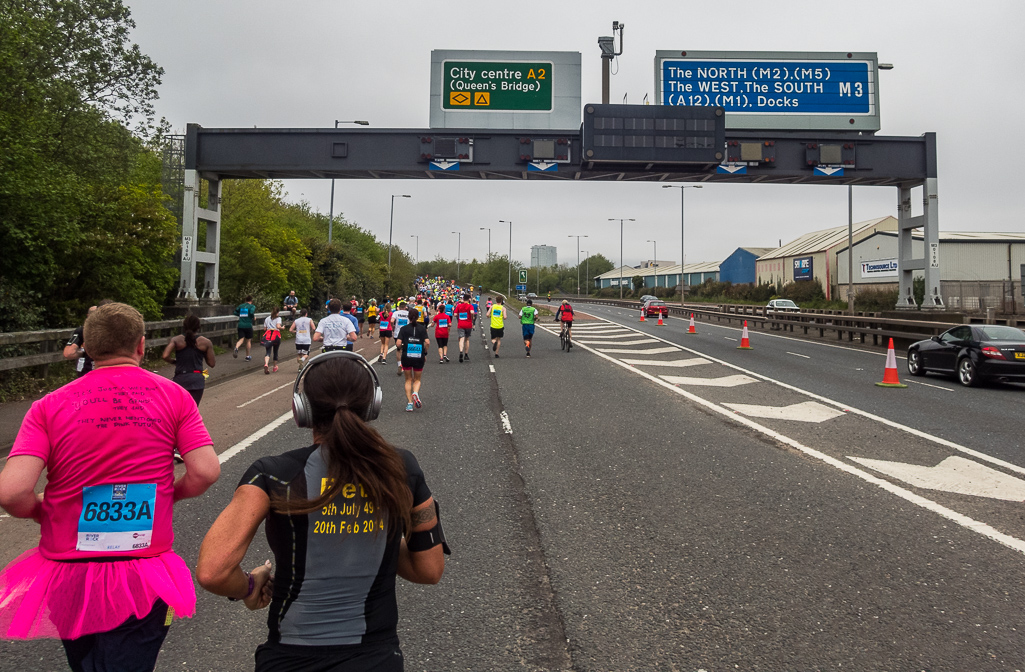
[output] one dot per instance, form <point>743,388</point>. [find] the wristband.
<point>252,584</point>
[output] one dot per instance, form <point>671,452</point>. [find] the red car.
<point>654,308</point>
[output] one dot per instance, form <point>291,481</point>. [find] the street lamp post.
<point>587,270</point>
<point>578,260</point>
<point>621,251</point>
<point>417,247</point>
<point>508,286</point>
<point>391,221</point>
<point>488,229</point>
<point>654,245</point>
<point>683,259</point>
<point>331,215</point>
<point>459,251</point>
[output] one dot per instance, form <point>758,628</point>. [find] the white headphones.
<point>301,411</point>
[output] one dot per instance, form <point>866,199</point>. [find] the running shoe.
<point>466,356</point>
<point>249,358</point>
<point>399,371</point>
<point>380,359</point>
<point>460,358</point>
<point>447,359</point>
<point>235,354</point>
<point>275,368</point>
<point>384,361</point>
<point>416,400</point>
<point>409,407</point>
<point>266,369</point>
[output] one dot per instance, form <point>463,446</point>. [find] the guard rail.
<point>859,327</point>
<point>158,334</point>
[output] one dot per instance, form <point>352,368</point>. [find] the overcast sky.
<point>959,70</point>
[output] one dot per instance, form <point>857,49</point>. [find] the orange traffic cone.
<point>660,323</point>
<point>890,378</point>
<point>642,315</point>
<point>745,341</point>
<point>691,329</point>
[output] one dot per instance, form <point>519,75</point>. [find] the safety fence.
<point>41,349</point>
<point>863,327</point>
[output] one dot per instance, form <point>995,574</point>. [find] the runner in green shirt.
<point>527,318</point>
<point>245,311</point>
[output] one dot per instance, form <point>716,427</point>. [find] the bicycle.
<point>565,340</point>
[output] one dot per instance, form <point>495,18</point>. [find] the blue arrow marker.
<point>731,169</point>
<point>443,165</point>
<point>829,171</point>
<point>542,167</point>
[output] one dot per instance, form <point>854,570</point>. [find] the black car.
<point>972,353</point>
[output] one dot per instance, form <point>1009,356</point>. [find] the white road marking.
<point>492,367</point>
<point>618,333</point>
<point>265,394</point>
<point>649,351</point>
<point>725,381</point>
<point>676,363</point>
<point>253,438</point>
<point>730,339</point>
<point>797,354</point>
<point>958,518</point>
<point>937,387</point>
<point>595,341</point>
<point>954,474</point>
<point>865,414</point>
<point>5,515</point>
<point>505,422</point>
<point>808,411</point>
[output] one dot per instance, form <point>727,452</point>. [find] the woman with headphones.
<point>343,517</point>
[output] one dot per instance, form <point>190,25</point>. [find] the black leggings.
<point>197,395</point>
<point>273,346</point>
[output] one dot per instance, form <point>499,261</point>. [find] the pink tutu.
<point>67,600</point>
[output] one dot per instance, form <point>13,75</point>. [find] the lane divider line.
<point>865,414</point>
<point>253,438</point>
<point>797,354</point>
<point>265,394</point>
<point>958,518</point>
<point>506,425</point>
<point>936,387</point>
<point>492,367</point>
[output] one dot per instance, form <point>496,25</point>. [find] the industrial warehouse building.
<point>669,276</point>
<point>740,267</point>
<point>977,270</point>
<point>813,256</point>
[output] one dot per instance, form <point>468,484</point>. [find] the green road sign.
<point>497,86</point>
<point>523,277</point>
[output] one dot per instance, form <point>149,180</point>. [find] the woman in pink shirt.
<point>104,573</point>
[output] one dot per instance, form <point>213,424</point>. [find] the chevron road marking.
<point>954,474</point>
<point>594,341</point>
<point>676,363</point>
<point>808,411</point>
<point>725,381</point>
<point>649,351</point>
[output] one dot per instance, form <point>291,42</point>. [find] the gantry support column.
<point>929,262</point>
<point>194,217</point>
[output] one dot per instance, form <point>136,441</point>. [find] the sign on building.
<point>881,268</point>
<point>803,268</point>
<point>505,89</point>
<point>775,89</point>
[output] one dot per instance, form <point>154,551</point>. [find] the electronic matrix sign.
<point>775,90</point>
<point>653,134</point>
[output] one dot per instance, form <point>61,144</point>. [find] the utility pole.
<point>587,270</point>
<point>459,251</point>
<point>417,248</point>
<point>608,52</point>
<point>621,251</point>
<point>331,215</point>
<point>391,222</point>
<point>508,288</point>
<point>578,261</point>
<point>683,259</point>
<point>655,252</point>
<point>850,249</point>
<point>488,229</point>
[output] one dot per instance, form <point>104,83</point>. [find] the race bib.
<point>464,316</point>
<point>80,366</point>
<point>414,350</point>
<point>443,324</point>
<point>116,517</point>
<point>401,322</point>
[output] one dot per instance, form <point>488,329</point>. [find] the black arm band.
<point>428,539</point>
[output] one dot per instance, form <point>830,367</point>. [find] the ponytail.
<point>190,327</point>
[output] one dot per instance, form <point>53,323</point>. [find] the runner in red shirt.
<point>465,315</point>
<point>442,322</point>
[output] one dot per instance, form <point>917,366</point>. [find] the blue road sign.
<point>521,288</point>
<point>802,87</point>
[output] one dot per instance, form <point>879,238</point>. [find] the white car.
<point>782,306</point>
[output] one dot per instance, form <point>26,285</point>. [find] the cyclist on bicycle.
<point>565,315</point>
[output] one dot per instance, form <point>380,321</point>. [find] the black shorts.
<point>133,645</point>
<point>245,332</point>
<point>302,348</point>
<point>372,320</point>
<point>497,333</point>
<point>386,334</point>
<point>442,342</point>
<point>353,658</point>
